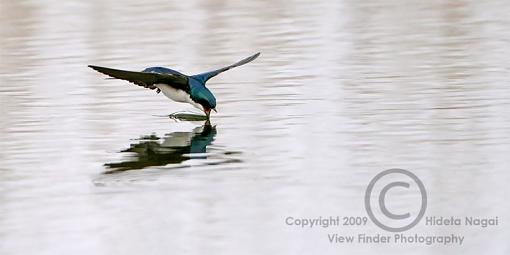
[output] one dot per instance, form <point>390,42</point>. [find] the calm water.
<point>342,91</point>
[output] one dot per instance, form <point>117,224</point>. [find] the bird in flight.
<point>175,85</point>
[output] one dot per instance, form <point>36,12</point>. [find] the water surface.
<point>342,91</point>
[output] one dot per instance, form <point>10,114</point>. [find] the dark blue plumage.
<point>175,85</point>
<point>159,69</point>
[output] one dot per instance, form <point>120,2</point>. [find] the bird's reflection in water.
<point>173,148</point>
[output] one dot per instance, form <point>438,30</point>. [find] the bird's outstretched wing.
<point>208,75</point>
<point>146,80</point>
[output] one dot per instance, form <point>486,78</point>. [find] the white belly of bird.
<point>177,95</point>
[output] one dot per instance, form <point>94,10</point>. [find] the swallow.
<point>176,86</point>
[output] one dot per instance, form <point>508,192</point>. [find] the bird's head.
<point>205,98</point>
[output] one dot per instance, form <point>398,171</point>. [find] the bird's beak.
<point>214,109</point>
<point>207,113</point>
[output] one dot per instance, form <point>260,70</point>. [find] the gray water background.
<point>342,91</point>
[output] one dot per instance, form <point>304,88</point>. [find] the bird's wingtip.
<point>254,56</point>
<point>98,68</point>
